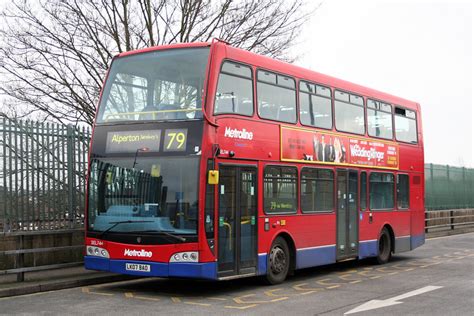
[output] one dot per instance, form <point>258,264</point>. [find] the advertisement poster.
<point>330,148</point>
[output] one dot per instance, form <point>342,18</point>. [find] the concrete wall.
<point>9,242</point>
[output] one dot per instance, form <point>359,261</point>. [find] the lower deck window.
<point>381,188</point>
<point>363,191</point>
<point>402,191</point>
<point>280,190</point>
<point>317,190</point>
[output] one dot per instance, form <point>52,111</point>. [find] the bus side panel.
<point>313,236</point>
<point>418,211</point>
<point>369,231</point>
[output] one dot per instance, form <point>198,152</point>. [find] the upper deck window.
<point>276,97</point>
<point>235,90</point>
<point>315,105</point>
<point>379,119</point>
<point>158,85</point>
<point>405,125</point>
<point>349,110</point>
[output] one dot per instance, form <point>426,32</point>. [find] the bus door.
<point>237,235</point>
<point>347,215</point>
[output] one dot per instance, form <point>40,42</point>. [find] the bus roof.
<point>313,76</point>
<point>170,46</point>
<point>282,67</point>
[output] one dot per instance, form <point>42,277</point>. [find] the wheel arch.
<point>291,246</point>
<point>392,236</point>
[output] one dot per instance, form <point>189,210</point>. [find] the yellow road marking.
<point>368,273</point>
<point>217,298</point>
<point>88,291</point>
<point>388,270</point>
<point>329,285</point>
<point>195,303</point>
<point>272,294</point>
<point>453,257</point>
<point>349,277</point>
<point>239,300</point>
<point>140,297</point>
<point>241,307</point>
<point>176,299</point>
<point>146,298</point>
<point>426,262</point>
<point>309,290</point>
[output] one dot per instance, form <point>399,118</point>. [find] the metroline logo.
<point>137,253</point>
<point>236,133</point>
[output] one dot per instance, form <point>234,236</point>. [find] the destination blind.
<point>146,140</point>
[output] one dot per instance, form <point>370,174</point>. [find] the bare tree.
<point>54,54</point>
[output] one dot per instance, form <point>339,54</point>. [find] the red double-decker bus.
<point>208,161</point>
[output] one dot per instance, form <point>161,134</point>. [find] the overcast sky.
<point>418,50</point>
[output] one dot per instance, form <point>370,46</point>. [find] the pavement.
<point>435,279</point>
<point>51,280</point>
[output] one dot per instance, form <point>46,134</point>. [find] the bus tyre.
<point>384,247</point>
<point>278,262</point>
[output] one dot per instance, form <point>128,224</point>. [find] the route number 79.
<point>175,139</point>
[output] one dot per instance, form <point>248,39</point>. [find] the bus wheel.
<point>385,247</point>
<point>278,261</point>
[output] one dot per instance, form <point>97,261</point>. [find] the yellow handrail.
<point>150,112</point>
<point>229,227</point>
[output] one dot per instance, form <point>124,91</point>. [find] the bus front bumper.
<point>204,270</point>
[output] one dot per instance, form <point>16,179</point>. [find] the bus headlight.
<point>97,252</point>
<point>187,256</point>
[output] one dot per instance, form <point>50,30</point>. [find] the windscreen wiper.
<point>115,224</point>
<point>164,232</point>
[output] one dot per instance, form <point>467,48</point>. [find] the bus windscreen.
<point>164,85</point>
<point>143,194</point>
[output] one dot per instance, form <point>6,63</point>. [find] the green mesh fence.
<point>448,187</point>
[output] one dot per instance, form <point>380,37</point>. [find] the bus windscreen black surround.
<point>145,172</point>
<point>163,139</point>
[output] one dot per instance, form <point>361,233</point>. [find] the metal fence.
<point>442,220</point>
<point>42,175</point>
<point>43,167</point>
<point>448,188</point>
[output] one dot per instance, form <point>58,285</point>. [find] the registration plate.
<point>138,267</point>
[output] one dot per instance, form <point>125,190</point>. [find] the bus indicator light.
<point>213,177</point>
